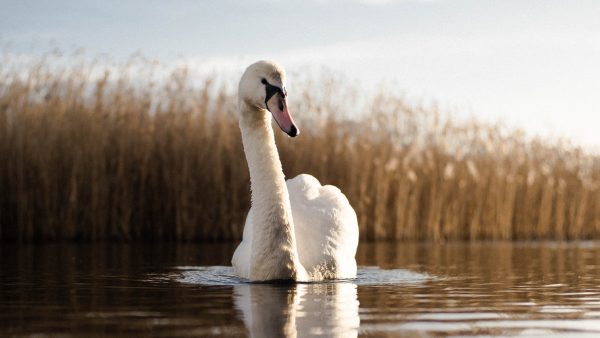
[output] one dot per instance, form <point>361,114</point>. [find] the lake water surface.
<point>403,289</point>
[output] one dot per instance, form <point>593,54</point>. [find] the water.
<point>406,289</point>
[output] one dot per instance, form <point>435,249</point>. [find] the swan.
<point>296,230</point>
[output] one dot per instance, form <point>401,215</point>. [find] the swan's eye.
<point>271,90</point>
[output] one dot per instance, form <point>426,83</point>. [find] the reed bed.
<point>90,153</point>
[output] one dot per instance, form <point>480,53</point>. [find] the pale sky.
<point>532,64</point>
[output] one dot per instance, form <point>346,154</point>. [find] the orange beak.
<point>277,105</point>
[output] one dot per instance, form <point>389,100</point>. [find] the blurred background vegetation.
<point>90,153</point>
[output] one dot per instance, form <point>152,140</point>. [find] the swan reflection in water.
<point>327,309</point>
<point>299,310</point>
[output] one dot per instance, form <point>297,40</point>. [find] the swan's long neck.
<point>274,251</point>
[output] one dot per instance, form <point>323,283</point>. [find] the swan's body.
<point>300,230</point>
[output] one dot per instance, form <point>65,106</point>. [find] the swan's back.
<point>326,228</point>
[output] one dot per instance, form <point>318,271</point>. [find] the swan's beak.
<point>277,105</point>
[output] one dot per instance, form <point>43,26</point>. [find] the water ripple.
<point>224,276</point>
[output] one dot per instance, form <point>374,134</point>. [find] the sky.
<point>529,64</point>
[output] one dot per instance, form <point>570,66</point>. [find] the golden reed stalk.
<point>95,157</point>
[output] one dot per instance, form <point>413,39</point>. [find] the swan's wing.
<point>241,256</point>
<point>326,228</point>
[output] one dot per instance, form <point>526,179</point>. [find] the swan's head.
<point>263,87</point>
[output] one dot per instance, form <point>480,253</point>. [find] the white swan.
<point>300,231</point>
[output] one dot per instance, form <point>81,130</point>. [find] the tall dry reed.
<point>91,154</point>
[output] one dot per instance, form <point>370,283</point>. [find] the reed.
<point>89,153</point>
